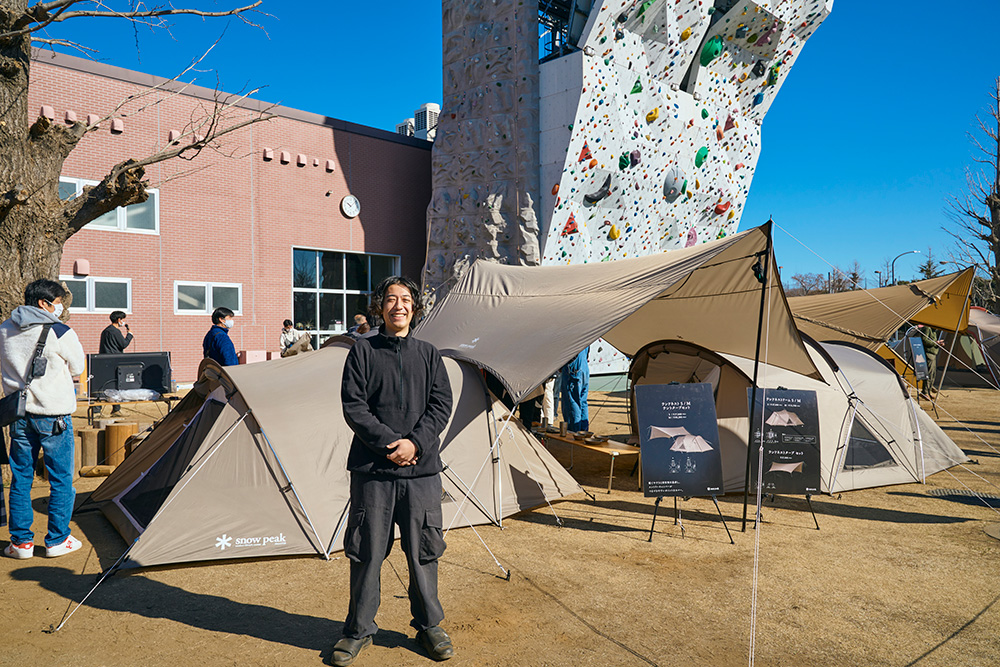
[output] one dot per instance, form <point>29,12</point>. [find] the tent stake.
<point>762,264</point>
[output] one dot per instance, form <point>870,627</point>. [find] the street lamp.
<point>879,274</point>
<point>892,265</point>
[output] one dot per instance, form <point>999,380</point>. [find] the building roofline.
<point>77,64</point>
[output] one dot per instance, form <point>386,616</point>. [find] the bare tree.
<point>976,214</point>
<point>34,221</point>
<point>804,284</point>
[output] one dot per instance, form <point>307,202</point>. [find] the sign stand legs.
<point>677,517</point>
<point>809,500</point>
<point>656,508</point>
<point>719,510</point>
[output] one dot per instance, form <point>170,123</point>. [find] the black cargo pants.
<point>414,504</point>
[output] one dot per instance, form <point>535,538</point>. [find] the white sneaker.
<point>20,551</point>
<point>70,545</point>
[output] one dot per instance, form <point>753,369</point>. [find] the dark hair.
<point>378,296</point>
<point>43,290</point>
<point>286,323</point>
<point>221,314</point>
<point>117,315</point>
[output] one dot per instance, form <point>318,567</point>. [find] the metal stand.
<point>809,500</point>
<point>719,510</point>
<point>656,508</point>
<point>677,517</point>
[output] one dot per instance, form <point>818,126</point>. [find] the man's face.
<point>397,310</point>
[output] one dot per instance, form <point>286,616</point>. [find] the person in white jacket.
<point>47,426</point>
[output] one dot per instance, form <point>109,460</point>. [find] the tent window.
<point>864,450</point>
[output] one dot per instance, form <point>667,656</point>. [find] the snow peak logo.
<point>474,341</point>
<point>228,541</point>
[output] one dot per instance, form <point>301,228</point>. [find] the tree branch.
<point>42,15</point>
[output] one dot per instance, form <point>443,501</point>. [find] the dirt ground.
<point>896,576</point>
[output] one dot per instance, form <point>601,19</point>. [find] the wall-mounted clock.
<point>350,206</point>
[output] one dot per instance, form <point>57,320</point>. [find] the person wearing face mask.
<point>217,344</point>
<point>46,425</point>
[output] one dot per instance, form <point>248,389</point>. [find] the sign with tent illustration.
<point>789,434</point>
<point>679,438</point>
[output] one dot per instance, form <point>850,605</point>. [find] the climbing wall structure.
<point>643,136</point>
<point>653,145</point>
<point>484,165</point>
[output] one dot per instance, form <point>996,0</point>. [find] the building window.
<point>197,298</point>
<point>143,218</point>
<point>330,287</point>
<point>99,295</point>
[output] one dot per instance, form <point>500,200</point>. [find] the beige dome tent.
<point>252,463</point>
<point>871,432</point>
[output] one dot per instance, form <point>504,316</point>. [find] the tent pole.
<point>763,258</point>
<point>319,541</point>
<point>107,573</point>
<point>954,339</point>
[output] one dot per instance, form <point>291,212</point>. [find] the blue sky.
<point>861,150</point>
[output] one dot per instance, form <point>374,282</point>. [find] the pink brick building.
<point>259,226</point>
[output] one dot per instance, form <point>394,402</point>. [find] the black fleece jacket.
<point>395,388</point>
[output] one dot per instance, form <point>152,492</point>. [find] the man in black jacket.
<point>397,399</point>
<point>116,336</point>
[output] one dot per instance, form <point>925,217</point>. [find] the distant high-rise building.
<point>426,120</point>
<point>406,128</point>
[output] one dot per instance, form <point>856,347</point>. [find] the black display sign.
<point>919,357</point>
<point>679,438</point>
<point>787,421</point>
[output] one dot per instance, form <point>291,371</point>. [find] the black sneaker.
<point>437,643</point>
<point>347,650</point>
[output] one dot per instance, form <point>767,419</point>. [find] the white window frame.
<point>90,281</point>
<point>122,216</point>
<point>210,307</point>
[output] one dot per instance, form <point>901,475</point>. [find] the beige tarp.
<point>523,323</point>
<point>253,464</point>
<point>869,317</point>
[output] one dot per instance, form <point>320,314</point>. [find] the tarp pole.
<point>765,260</point>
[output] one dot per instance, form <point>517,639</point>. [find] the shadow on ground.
<point>138,595</point>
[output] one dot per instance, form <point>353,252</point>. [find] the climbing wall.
<point>664,136</point>
<point>485,158</point>
<point>650,133</point>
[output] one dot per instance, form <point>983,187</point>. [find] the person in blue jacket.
<point>575,385</point>
<point>217,345</point>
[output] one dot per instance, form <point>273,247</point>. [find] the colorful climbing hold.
<point>623,161</point>
<point>555,189</point>
<point>600,194</point>
<point>570,227</point>
<point>704,113</point>
<point>613,233</point>
<point>721,208</point>
<point>701,156</point>
<point>686,34</point>
<point>637,88</point>
<point>653,115</point>
<point>585,153</point>
<point>713,49</point>
<point>635,157</point>
<point>674,184</point>
<point>692,238</point>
